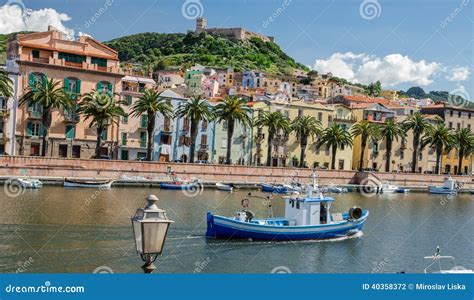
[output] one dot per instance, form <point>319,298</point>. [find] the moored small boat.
<point>388,188</point>
<point>450,187</point>
<point>437,258</point>
<point>179,185</point>
<point>307,217</point>
<point>274,188</point>
<point>224,187</point>
<point>29,183</point>
<point>402,190</point>
<point>100,184</point>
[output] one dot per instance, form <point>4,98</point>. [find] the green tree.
<point>366,130</point>
<point>305,127</point>
<point>232,110</point>
<point>103,109</point>
<point>275,122</point>
<point>390,131</point>
<point>374,89</point>
<point>440,138</point>
<point>419,125</point>
<point>150,104</point>
<point>195,109</point>
<point>49,95</point>
<point>464,143</point>
<point>6,84</point>
<point>335,137</point>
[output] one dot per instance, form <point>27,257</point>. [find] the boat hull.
<point>224,187</point>
<point>178,187</point>
<point>226,228</point>
<point>79,184</point>
<point>441,191</point>
<point>268,188</point>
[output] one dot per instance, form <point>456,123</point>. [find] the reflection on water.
<point>77,230</point>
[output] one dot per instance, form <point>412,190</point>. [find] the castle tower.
<point>201,24</point>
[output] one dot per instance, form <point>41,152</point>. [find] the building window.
<point>142,139</point>
<point>320,116</point>
<point>76,151</point>
<point>204,125</point>
<point>459,126</point>
<point>62,151</point>
<point>72,86</point>
<point>72,58</point>
<point>35,79</point>
<point>459,114</point>
<point>104,135</point>
<point>35,53</point>
<point>450,125</point>
<point>450,113</point>
<point>70,132</point>
<point>101,62</point>
<point>224,143</point>
<point>124,155</point>
<point>224,125</point>
<point>125,119</point>
<point>34,129</point>
<point>104,87</point>
<point>129,99</point>
<point>341,164</point>
<point>124,138</point>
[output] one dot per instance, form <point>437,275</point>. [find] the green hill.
<point>163,50</point>
<point>3,47</point>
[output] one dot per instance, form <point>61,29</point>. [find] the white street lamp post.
<point>150,227</point>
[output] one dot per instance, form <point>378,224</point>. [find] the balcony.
<point>4,113</point>
<point>35,115</point>
<point>71,117</point>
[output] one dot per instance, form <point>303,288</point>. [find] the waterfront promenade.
<point>55,170</point>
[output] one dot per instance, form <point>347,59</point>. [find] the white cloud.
<point>14,18</point>
<point>391,70</point>
<point>458,74</point>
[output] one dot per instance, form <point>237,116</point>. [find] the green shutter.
<point>111,90</point>
<point>41,130</point>
<point>144,121</point>
<point>124,138</point>
<point>29,128</point>
<point>142,139</point>
<point>129,100</point>
<point>31,80</point>
<point>104,135</point>
<point>66,85</point>
<point>125,119</point>
<point>78,86</point>
<point>70,132</point>
<point>99,86</point>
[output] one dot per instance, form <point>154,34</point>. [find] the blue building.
<point>252,80</point>
<point>173,136</point>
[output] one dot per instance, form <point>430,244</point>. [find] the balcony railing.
<point>33,114</point>
<point>72,117</point>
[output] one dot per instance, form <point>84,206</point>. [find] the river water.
<point>58,230</point>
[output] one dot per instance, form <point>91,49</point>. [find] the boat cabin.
<point>308,210</point>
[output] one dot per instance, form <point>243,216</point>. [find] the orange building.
<point>81,65</point>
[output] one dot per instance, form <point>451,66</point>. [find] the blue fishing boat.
<point>306,217</point>
<point>274,188</point>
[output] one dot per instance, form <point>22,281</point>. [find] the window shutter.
<point>110,88</point>
<point>29,128</point>
<point>41,130</point>
<point>78,86</point>
<point>104,135</point>
<point>66,85</point>
<point>31,80</point>
<point>99,86</point>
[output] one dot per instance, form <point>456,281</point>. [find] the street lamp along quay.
<point>150,227</point>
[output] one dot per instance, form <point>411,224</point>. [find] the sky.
<point>402,43</point>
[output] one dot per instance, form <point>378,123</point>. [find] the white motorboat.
<point>450,187</point>
<point>295,187</point>
<point>99,184</point>
<point>336,189</point>
<point>388,188</point>
<point>224,187</point>
<point>29,183</point>
<point>437,258</point>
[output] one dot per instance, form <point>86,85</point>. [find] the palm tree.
<point>103,109</point>
<point>419,125</point>
<point>232,110</point>
<point>274,121</point>
<point>195,109</point>
<point>366,130</point>
<point>441,138</point>
<point>464,143</point>
<point>304,127</point>
<point>49,95</point>
<point>391,130</point>
<point>335,137</point>
<point>6,84</point>
<point>151,103</point>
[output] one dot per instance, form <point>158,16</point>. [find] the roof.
<point>366,99</point>
<point>138,79</point>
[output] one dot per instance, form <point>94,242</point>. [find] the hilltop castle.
<point>239,33</point>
